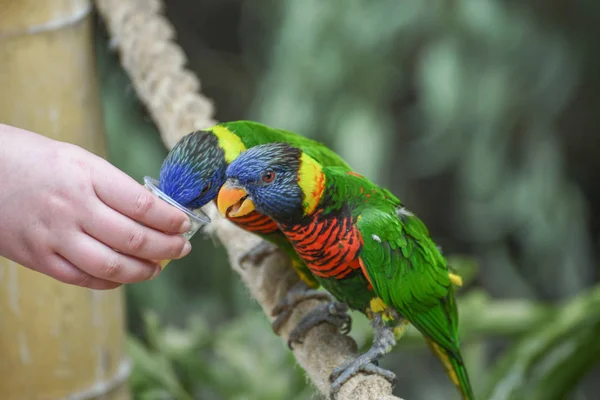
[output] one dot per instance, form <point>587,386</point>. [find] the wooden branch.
<point>155,65</point>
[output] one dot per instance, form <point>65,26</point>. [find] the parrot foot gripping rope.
<point>297,294</point>
<point>335,313</point>
<point>258,253</point>
<point>383,342</point>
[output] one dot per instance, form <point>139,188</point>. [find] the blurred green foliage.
<point>175,364</point>
<point>479,114</point>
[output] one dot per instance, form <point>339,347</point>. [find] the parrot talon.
<point>297,294</point>
<point>294,299</point>
<point>370,368</point>
<point>368,362</point>
<point>258,253</point>
<point>334,313</point>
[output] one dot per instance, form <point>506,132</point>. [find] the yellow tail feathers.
<point>455,370</point>
<point>455,279</point>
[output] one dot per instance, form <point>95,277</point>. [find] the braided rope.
<point>155,65</point>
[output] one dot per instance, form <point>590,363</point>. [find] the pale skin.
<point>71,215</point>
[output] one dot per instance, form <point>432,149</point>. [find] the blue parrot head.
<point>194,170</point>
<point>264,178</point>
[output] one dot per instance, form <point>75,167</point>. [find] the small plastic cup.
<point>197,218</point>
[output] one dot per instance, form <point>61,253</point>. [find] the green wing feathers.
<point>409,273</point>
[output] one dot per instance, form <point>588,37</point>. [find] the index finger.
<point>122,193</point>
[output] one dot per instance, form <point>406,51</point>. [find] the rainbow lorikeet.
<point>363,246</point>
<point>194,170</point>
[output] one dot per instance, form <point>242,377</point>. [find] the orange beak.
<point>233,202</point>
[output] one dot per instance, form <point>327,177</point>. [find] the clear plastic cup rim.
<point>197,216</point>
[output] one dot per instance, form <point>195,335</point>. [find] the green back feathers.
<point>406,268</point>
<point>253,134</point>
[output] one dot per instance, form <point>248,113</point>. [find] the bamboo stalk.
<point>56,341</point>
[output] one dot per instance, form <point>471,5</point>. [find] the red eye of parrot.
<point>268,176</point>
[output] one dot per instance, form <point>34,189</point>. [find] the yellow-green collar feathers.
<point>230,142</point>
<point>311,180</point>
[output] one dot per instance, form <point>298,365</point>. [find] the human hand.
<point>64,211</point>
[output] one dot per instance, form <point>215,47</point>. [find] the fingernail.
<point>157,271</point>
<point>185,226</point>
<point>187,247</point>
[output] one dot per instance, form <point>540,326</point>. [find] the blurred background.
<point>481,115</point>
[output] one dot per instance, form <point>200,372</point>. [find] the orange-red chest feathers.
<point>256,223</point>
<point>329,245</point>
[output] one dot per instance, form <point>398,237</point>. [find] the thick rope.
<point>155,65</point>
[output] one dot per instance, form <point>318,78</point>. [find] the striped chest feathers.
<point>329,245</point>
<point>256,223</point>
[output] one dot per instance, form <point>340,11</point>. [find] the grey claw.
<point>258,253</point>
<point>297,294</point>
<point>368,362</point>
<point>280,320</point>
<point>341,375</point>
<point>334,313</point>
<point>337,384</point>
<point>293,299</point>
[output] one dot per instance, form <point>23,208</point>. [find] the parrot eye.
<point>268,176</point>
